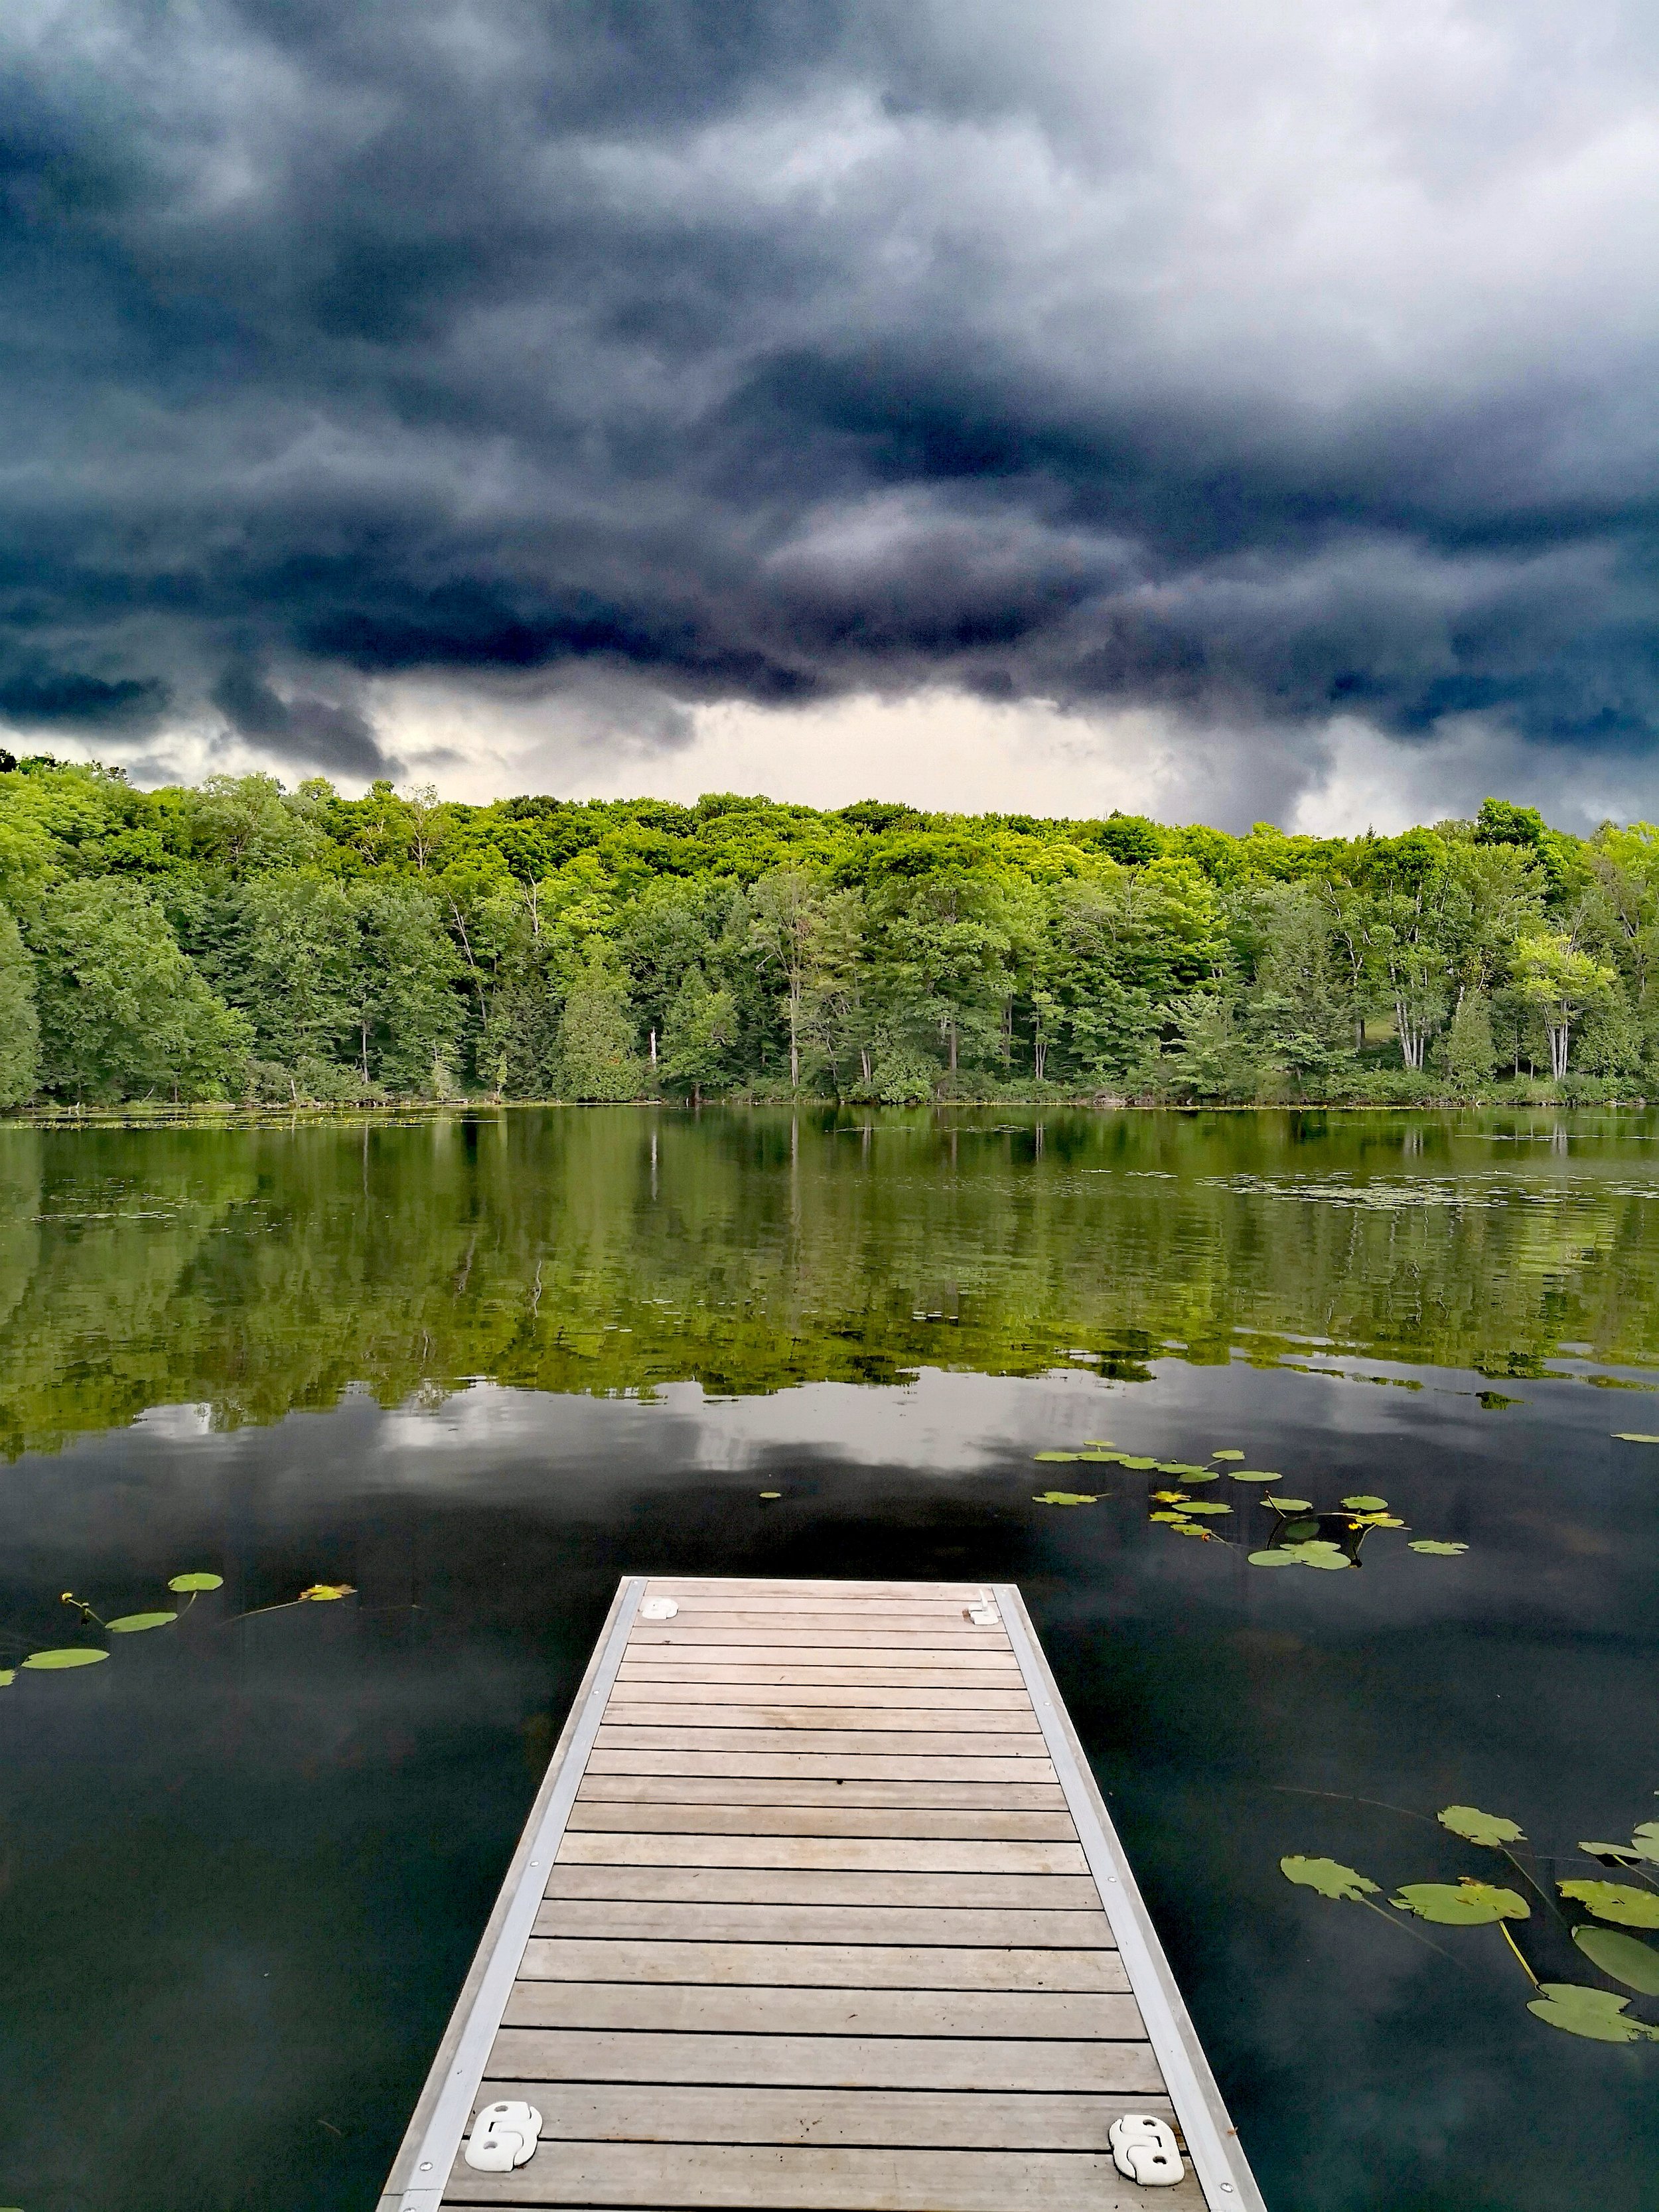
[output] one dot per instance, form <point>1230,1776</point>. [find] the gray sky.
<point>1241,409</point>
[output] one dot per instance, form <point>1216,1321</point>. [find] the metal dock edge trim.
<point>420,2171</point>
<point>1212,2144</point>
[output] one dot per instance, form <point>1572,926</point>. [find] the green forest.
<point>239,942</point>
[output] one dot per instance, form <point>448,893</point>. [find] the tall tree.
<point>20,1026</point>
<point>598,1058</point>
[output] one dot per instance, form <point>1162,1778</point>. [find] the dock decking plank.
<point>823,1925</point>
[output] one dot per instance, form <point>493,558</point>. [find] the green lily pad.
<point>1608,1900</point>
<point>1630,1437</point>
<point>1290,1504</point>
<point>1206,1506</point>
<point>1300,1532</point>
<point>1331,1557</point>
<point>1621,1852</point>
<point>1137,1462</point>
<point>1645,1842</point>
<point>1435,1548</point>
<point>1376,1521</point>
<point>1463,1904</point>
<point>1229,1454</point>
<point>1066,1457</point>
<point>1274,1558</point>
<point>1100,1458</point>
<point>1477,1827</point>
<point>1180,1467</point>
<point>196,1582</point>
<point>1255,1474</point>
<point>1364,1504</point>
<point>1329,1876</point>
<point>769,1493</point>
<point>8,1676</point>
<point>129,1624</point>
<point>1596,2014</point>
<point>1635,1964</point>
<point>1065,1497</point>
<point>1184,1527</point>
<point>73,1656</point>
<point>1098,1443</point>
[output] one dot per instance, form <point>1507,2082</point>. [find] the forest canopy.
<point>235,941</point>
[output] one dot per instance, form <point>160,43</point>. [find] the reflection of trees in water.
<point>263,1270</point>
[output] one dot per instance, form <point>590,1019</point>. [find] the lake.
<point>476,1366</point>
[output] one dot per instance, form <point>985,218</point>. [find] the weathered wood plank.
<point>911,1892</point>
<point>822,1586</point>
<point>913,2119</point>
<point>956,1742</point>
<point>621,1918</point>
<point>1041,2017</point>
<point>985,2064</point>
<point>781,1674</point>
<point>921,1601</point>
<point>843,1634</point>
<point>831,1854</point>
<point>902,1965</point>
<point>748,1697</point>
<point>589,1818</point>
<point>791,2179</point>
<point>691,1789</point>
<point>665,1650</point>
<point>845,1766</point>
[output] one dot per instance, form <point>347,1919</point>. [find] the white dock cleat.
<point>1143,2150</point>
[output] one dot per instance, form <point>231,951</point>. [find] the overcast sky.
<point>1236,409</point>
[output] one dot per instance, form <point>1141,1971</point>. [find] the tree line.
<point>236,940</point>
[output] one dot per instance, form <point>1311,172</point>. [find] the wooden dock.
<point>819,1909</point>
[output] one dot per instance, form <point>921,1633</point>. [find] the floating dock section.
<point>819,1909</point>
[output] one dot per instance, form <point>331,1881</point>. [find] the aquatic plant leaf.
<point>196,1582</point>
<point>8,1676</point>
<point>1630,1437</point>
<point>1206,1506</point>
<point>1597,2013</point>
<point>1645,1842</point>
<point>74,1655</point>
<point>1099,1444</point>
<point>320,1592</point>
<point>1436,1548</point>
<point>1191,1529</point>
<point>1331,1558</point>
<point>1608,1900</point>
<point>129,1624</point>
<point>1255,1474</point>
<point>771,1493</point>
<point>1478,1828</point>
<point>1634,1964</point>
<point>1065,1497</point>
<point>1290,1504</point>
<point>1229,1454</point>
<point>1066,1456</point>
<point>1192,1474</point>
<point>1462,1905</point>
<point>1174,1518</point>
<point>1621,1852</point>
<point>1376,1521</point>
<point>1100,1458</point>
<point>1329,1876</point>
<point>1274,1558</point>
<point>1180,1467</point>
<point>1300,1532</point>
<point>1139,1464</point>
<point>1364,1504</point>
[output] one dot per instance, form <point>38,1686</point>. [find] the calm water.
<point>479,1367</point>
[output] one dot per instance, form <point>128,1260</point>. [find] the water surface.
<point>478,1366</point>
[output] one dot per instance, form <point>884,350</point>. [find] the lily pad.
<point>1635,1964</point>
<point>1290,1504</point>
<point>1171,1515</point>
<point>1274,1558</point>
<point>8,1676</point>
<point>196,1582</point>
<point>1376,1521</point>
<point>1180,1467</point>
<point>1255,1474</point>
<point>1645,1842</point>
<point>1099,1444</point>
<point>1596,2014</point>
<point>319,1592</point>
<point>1331,1557</point>
<point>1227,1455</point>
<point>1435,1548</point>
<point>129,1624</point>
<point>1301,1532</point>
<point>1329,1876</point>
<point>1137,1462</point>
<point>1463,1904</point>
<point>74,1655</point>
<point>1620,1852</point>
<point>1364,1504</point>
<point>1190,1528</point>
<point>1066,1457</point>
<point>1608,1900</point>
<point>1100,1458</point>
<point>1206,1506</point>
<point>1065,1497</point>
<point>1630,1437</point>
<point>1477,1827</point>
<point>771,1493</point>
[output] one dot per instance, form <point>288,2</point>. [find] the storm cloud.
<point>1272,369</point>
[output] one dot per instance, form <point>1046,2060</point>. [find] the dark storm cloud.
<point>1250,364</point>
